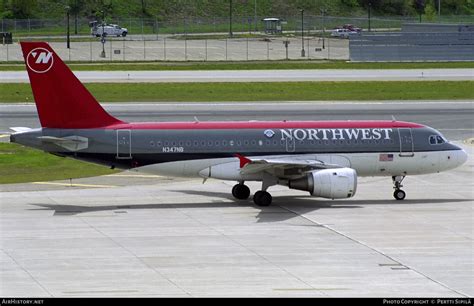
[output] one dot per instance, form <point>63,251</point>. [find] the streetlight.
<point>323,11</point>
<point>230,18</point>
<point>68,41</point>
<point>102,40</point>
<point>370,7</point>
<point>255,18</point>
<point>302,34</point>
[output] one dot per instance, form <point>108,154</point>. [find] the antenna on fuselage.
<point>393,118</point>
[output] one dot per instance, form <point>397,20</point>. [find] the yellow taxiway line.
<point>133,175</point>
<point>74,185</point>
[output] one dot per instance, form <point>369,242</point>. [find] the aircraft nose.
<point>461,157</point>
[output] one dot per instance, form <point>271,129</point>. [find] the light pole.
<point>255,18</point>
<point>323,12</point>
<point>370,7</point>
<point>102,40</point>
<point>68,41</point>
<point>302,34</point>
<point>230,18</point>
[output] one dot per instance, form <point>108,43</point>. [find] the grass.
<point>20,164</point>
<point>252,65</point>
<point>284,91</point>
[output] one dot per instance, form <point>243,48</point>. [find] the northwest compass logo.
<point>40,60</point>
<point>269,133</point>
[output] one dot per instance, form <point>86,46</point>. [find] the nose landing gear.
<point>398,194</point>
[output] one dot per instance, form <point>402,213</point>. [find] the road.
<point>453,119</point>
<point>261,75</point>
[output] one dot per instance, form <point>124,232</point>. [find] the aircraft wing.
<point>283,167</point>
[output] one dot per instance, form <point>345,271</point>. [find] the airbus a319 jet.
<point>324,158</point>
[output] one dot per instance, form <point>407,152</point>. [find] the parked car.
<point>109,29</point>
<point>351,27</point>
<point>343,33</point>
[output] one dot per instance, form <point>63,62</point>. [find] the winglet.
<point>243,160</point>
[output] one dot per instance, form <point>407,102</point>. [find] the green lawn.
<point>252,65</point>
<point>20,164</point>
<point>284,91</point>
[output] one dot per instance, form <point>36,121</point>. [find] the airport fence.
<point>196,39</point>
<point>198,49</point>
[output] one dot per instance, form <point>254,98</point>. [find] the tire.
<point>124,34</point>
<point>399,195</point>
<point>241,192</point>
<point>262,198</point>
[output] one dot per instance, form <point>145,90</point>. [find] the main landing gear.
<point>398,193</point>
<point>241,191</point>
<point>260,198</point>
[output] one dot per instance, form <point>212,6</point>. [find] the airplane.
<point>324,158</point>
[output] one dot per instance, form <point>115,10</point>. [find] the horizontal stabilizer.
<point>20,129</point>
<point>71,143</point>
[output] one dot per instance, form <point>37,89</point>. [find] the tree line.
<point>166,9</point>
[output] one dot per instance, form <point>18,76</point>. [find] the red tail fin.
<point>61,99</point>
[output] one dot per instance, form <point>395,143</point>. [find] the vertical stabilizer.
<point>61,99</point>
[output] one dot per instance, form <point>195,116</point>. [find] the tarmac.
<point>137,235</point>
<point>309,75</point>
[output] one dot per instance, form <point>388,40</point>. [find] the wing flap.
<point>284,167</point>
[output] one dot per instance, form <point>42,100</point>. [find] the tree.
<point>22,9</point>
<point>419,6</point>
<point>76,7</point>
<point>430,12</point>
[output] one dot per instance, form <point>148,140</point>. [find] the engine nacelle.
<point>328,183</point>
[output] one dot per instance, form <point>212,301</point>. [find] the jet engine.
<point>328,183</point>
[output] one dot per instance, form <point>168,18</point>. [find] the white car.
<point>343,33</point>
<point>109,29</point>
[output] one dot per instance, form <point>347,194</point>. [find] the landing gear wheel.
<point>399,194</point>
<point>397,184</point>
<point>241,192</point>
<point>262,198</point>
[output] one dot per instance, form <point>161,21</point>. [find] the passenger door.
<point>124,144</point>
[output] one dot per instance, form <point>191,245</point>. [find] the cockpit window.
<point>436,139</point>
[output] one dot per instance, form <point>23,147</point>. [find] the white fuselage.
<point>365,164</point>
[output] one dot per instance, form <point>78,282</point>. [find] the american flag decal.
<point>386,157</point>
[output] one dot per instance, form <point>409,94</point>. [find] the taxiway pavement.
<point>452,118</point>
<point>261,75</point>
